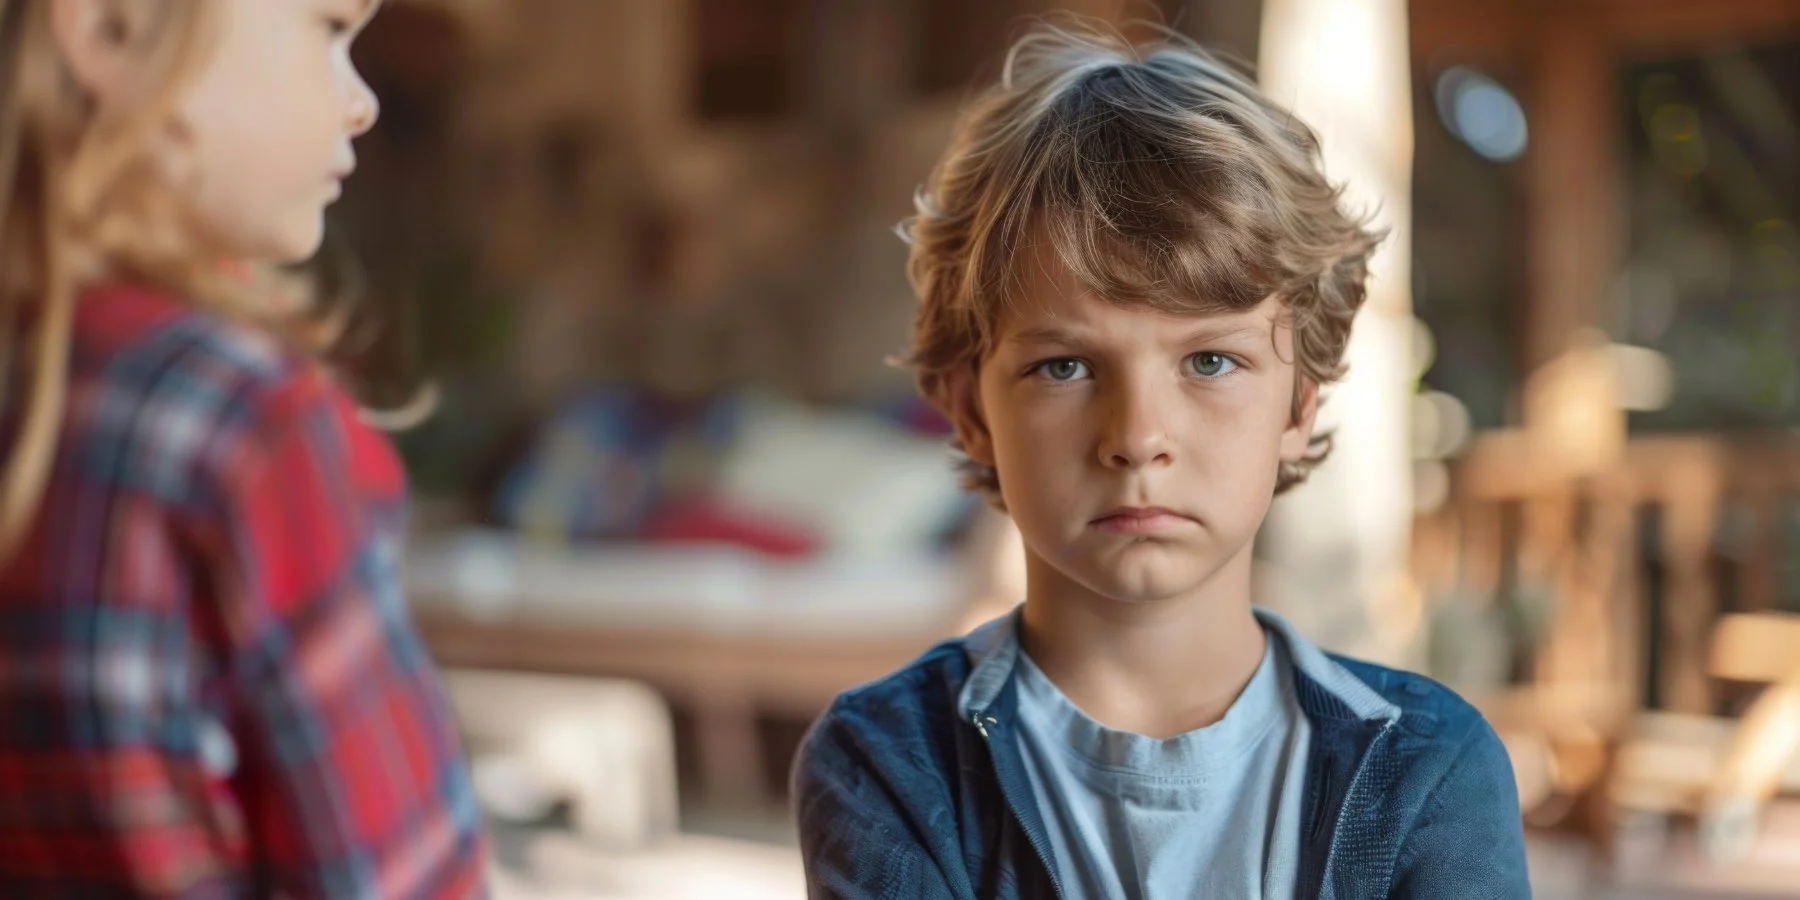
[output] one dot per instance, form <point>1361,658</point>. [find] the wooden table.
<point>724,680</point>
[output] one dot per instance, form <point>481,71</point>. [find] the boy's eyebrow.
<point>1223,333</point>
<point>1054,334</point>
<point>1046,334</point>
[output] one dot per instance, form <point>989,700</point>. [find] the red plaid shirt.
<point>209,686</point>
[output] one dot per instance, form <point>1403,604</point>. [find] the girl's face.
<point>269,122</point>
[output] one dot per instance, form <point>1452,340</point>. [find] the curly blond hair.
<point>1161,177</point>
<point>82,198</point>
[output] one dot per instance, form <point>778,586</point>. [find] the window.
<point>1712,272</point>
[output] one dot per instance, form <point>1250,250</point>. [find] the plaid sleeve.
<point>349,769</point>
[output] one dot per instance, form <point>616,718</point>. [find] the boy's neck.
<point>1158,669</point>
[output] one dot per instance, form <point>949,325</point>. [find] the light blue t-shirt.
<point>1211,813</point>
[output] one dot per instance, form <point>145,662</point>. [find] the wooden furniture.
<point>725,636</point>
<point>725,682</point>
<point>1600,655</point>
<point>1516,518</point>
<point>1723,771</point>
<point>603,747</point>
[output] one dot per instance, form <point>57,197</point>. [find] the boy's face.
<point>271,118</point>
<point>1137,451</point>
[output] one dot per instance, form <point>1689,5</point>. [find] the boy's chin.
<point>1128,573</point>
<point>1143,582</point>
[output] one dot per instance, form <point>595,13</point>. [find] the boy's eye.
<point>1064,369</point>
<point>1207,364</point>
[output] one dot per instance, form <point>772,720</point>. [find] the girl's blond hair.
<point>82,198</point>
<point>1161,177</point>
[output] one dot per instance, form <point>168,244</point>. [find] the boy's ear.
<point>95,38</point>
<point>965,414</point>
<point>1297,439</point>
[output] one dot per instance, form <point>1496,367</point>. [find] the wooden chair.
<point>1722,771</point>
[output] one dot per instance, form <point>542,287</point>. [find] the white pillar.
<point>1337,546</point>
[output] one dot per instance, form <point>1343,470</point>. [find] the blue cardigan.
<point>913,787</point>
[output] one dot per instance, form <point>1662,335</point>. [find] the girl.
<point>208,684</point>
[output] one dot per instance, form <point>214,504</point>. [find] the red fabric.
<point>712,521</point>
<point>208,682</point>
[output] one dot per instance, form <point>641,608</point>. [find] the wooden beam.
<point>1484,30</point>
<point>1690,510</point>
<point>1645,25</point>
<point>1572,188</point>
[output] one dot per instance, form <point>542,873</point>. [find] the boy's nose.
<point>1136,434</point>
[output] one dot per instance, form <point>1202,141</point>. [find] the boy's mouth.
<point>1141,520</point>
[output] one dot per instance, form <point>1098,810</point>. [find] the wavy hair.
<point>82,197</point>
<point>1161,177</point>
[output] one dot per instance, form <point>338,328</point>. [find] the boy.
<point>1134,282</point>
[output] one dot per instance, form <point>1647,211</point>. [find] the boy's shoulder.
<point>910,699</point>
<point>1428,708</point>
<point>1444,784</point>
<point>1444,754</point>
<point>893,738</point>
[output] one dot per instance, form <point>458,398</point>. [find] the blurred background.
<point>629,282</point>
